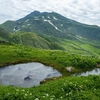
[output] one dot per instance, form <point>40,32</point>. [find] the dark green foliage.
<point>8,26</point>
<point>4,35</point>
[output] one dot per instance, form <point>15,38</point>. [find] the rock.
<point>28,78</point>
<point>69,69</point>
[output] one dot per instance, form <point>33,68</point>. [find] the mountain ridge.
<point>53,24</point>
<point>56,30</point>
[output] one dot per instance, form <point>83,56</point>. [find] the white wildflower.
<point>17,89</point>
<point>25,94</point>
<point>47,94</point>
<point>61,97</point>
<point>66,94</point>
<point>30,93</point>
<point>23,90</point>
<point>36,99</point>
<point>43,96</point>
<point>51,98</point>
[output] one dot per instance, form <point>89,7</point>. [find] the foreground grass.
<point>66,88</point>
<point>70,88</point>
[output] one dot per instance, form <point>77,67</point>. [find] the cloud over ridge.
<point>80,10</point>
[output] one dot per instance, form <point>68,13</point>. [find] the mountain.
<point>53,24</point>
<point>54,31</point>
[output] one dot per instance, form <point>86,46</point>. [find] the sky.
<point>84,11</point>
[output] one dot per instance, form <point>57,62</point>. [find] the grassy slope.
<point>4,35</point>
<point>33,40</point>
<point>12,54</point>
<point>82,46</point>
<point>8,25</point>
<point>68,88</point>
<point>79,45</point>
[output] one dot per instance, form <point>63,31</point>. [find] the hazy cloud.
<point>80,10</point>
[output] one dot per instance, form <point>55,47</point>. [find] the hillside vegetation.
<point>59,59</point>
<point>33,40</point>
<point>53,31</point>
<point>4,35</point>
<point>56,41</point>
<point>79,45</point>
<point>8,26</point>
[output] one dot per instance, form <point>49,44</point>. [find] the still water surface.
<point>30,74</point>
<point>26,75</point>
<point>95,71</point>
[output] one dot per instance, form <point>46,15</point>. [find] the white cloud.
<point>80,10</point>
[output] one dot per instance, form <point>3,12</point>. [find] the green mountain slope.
<point>31,39</point>
<point>53,24</point>
<point>4,35</point>
<point>53,31</point>
<point>8,26</point>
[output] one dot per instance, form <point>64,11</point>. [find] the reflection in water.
<point>95,71</point>
<point>26,75</point>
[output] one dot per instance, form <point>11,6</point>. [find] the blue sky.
<point>85,11</point>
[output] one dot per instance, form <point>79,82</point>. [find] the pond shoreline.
<point>64,72</point>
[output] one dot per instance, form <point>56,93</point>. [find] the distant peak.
<point>36,11</point>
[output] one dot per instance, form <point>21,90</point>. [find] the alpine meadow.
<point>66,45</point>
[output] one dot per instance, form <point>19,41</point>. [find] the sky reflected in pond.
<point>26,75</point>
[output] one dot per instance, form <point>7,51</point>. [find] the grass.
<point>82,46</point>
<point>33,40</point>
<point>65,88</point>
<point>12,54</point>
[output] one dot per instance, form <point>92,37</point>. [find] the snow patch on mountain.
<point>55,18</point>
<point>61,24</point>
<point>28,24</point>
<point>27,20</point>
<point>43,17</point>
<point>36,18</point>
<point>16,28</point>
<point>52,24</point>
<point>48,17</point>
<point>78,37</point>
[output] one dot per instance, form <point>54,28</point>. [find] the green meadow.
<point>62,88</point>
<point>59,59</point>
